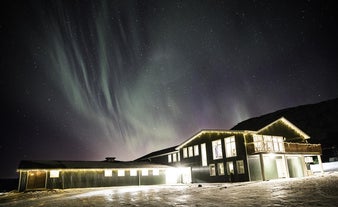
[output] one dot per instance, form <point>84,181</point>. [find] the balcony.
<point>299,148</point>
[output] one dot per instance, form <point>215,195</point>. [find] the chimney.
<point>110,159</point>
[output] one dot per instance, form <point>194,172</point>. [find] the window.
<point>133,172</point>
<point>54,173</point>
<point>185,152</point>
<point>108,173</point>
<point>212,169</point>
<point>230,168</point>
<point>220,168</point>
<point>196,151</point>
<point>258,142</point>
<point>169,158</point>
<point>230,147</point>
<point>144,172</point>
<point>281,144</point>
<point>120,173</point>
<point>156,172</point>
<point>268,143</point>
<point>217,149</point>
<point>240,166</point>
<point>175,157</point>
<point>179,156</point>
<point>190,151</point>
<point>204,155</point>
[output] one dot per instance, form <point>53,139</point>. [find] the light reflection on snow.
<point>318,190</point>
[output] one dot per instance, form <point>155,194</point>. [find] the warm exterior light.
<point>54,173</point>
<point>108,173</point>
<point>120,172</point>
<point>171,175</point>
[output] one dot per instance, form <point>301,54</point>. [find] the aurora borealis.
<point>88,79</point>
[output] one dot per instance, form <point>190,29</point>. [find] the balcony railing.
<point>289,147</point>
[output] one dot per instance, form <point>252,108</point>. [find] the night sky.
<point>83,80</point>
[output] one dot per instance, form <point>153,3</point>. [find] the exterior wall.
<point>94,178</point>
<point>164,159</point>
<point>202,173</point>
<point>274,166</point>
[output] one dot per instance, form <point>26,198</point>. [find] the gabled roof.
<point>57,164</point>
<point>289,124</point>
<point>158,153</point>
<point>209,131</point>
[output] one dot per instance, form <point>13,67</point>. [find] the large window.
<point>268,143</point>
<point>212,169</point>
<point>190,151</point>
<point>240,167</point>
<point>174,157</point>
<point>169,158</point>
<point>230,168</point>
<point>217,149</point>
<point>230,146</point>
<point>196,151</point>
<point>220,168</point>
<point>185,152</point>
<point>204,155</point>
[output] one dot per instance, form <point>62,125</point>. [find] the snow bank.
<point>327,167</point>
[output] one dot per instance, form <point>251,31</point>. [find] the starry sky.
<point>83,80</point>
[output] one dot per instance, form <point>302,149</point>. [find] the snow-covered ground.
<point>317,190</point>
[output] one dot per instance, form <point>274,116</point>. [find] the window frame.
<point>217,152</point>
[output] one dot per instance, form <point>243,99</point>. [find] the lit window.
<point>220,168</point>
<point>212,169</point>
<point>204,155</point>
<point>144,172</point>
<point>108,173</point>
<point>258,142</point>
<point>190,151</point>
<point>230,168</point>
<point>54,174</point>
<point>156,171</point>
<point>217,149</point>
<point>169,158</point>
<point>185,152</point>
<point>196,151</point>
<point>281,144</point>
<point>268,143</point>
<point>240,166</point>
<point>120,172</point>
<point>133,172</point>
<point>175,157</point>
<point>230,147</point>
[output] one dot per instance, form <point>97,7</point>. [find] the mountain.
<point>319,121</point>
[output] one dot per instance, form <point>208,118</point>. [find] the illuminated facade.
<point>277,150</point>
<point>39,175</point>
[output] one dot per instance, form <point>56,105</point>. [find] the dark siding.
<point>201,173</point>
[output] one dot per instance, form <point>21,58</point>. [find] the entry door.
<point>281,170</point>
<point>186,175</point>
<point>36,179</point>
